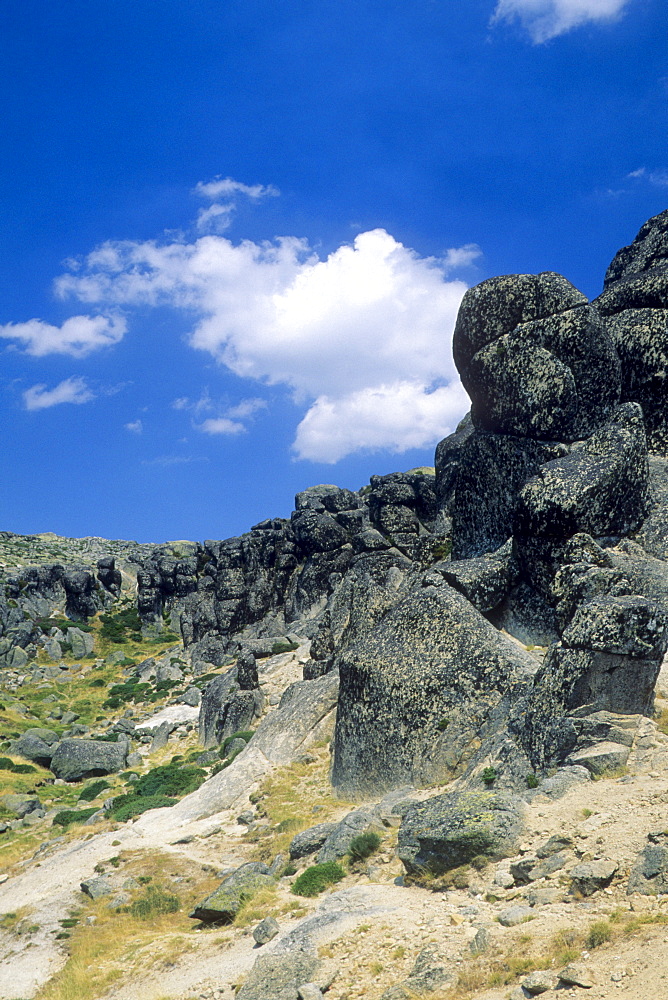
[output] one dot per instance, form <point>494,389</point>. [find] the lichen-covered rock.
<point>411,686</point>
<point>592,876</point>
<point>484,581</point>
<point>223,905</point>
<point>492,470</point>
<point>311,840</point>
<point>635,304</point>
<point>278,976</point>
<point>449,830</point>
<point>600,488</point>
<point>535,358</point>
<point>649,875</point>
<point>633,626</point>
<point>338,840</point>
<point>74,760</point>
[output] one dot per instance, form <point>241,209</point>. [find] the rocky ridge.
<point>494,626</point>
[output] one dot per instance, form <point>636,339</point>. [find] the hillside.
<point>410,742</point>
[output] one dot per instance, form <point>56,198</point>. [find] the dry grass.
<point>284,801</point>
<point>118,945</point>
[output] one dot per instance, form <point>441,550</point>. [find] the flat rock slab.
<point>514,915</point>
<point>601,757</point>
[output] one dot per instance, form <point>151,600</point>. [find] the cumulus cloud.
<point>71,390</point>
<point>78,336</point>
<point>135,427</point>
<point>394,417</point>
<point>366,330</point>
<point>546,19</point>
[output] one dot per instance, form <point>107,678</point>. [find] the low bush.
<point>24,769</point>
<point>66,817</point>
<point>117,625</point>
<point>283,646</point>
<point>161,786</point>
<point>599,933</point>
<point>246,735</point>
<point>317,878</point>
<point>364,845</point>
<point>92,791</point>
<point>154,901</point>
<point>489,775</point>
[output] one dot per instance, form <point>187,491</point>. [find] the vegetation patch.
<point>92,791</point>
<point>160,787</point>
<point>155,900</point>
<point>317,878</point>
<point>66,817</point>
<point>119,626</point>
<point>364,845</point>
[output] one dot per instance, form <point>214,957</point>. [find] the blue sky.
<point>235,235</point>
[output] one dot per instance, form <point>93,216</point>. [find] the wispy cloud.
<point>227,420</point>
<point>135,427</point>
<point>464,256</point>
<point>546,19</point>
<point>71,390</point>
<point>218,216</point>
<point>221,425</point>
<point>657,178</point>
<point>169,460</point>
<point>78,336</point>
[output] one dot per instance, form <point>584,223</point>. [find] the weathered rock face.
<point>416,690</point>
<point>535,358</point>
<point>634,303</point>
<point>649,875</point>
<point>74,760</point>
<point>449,830</point>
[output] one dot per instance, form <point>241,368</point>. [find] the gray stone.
<point>134,760</point>
<point>432,657</point>
<point>649,875</point>
<point>95,888</point>
<point>632,626</point>
<point>600,758</point>
<point>161,736</point>
<point>311,840</point>
<point>279,976</point>
<point>590,877</point>
<point>339,839</point>
<point>449,830</point>
<point>191,696</point>
<point>576,975</point>
<point>75,759</point>
<point>33,748</point>
<point>223,905</point>
<point>82,643</point>
<point>484,581</point>
<point>266,931</point>
<point>514,915</point>
<point>309,991</point>
<point>481,942</point>
<point>538,982</point>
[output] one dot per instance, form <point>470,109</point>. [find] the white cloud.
<point>365,331</point>
<point>220,425</point>
<point>545,19</point>
<point>71,390</point>
<point>135,426</point>
<point>461,256</point>
<point>394,417</point>
<point>218,216</point>
<point>78,336</point>
<point>247,408</point>
<point>657,178</point>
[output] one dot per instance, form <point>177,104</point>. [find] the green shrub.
<point>24,769</point>
<point>247,736</point>
<point>532,780</point>
<point>128,806</point>
<point>92,791</point>
<point>116,625</point>
<point>98,683</point>
<point>283,647</point>
<point>6,764</point>
<point>443,724</point>
<point>599,933</point>
<point>66,817</point>
<point>317,878</point>
<point>441,550</point>
<point>364,845</point>
<point>489,775</point>
<point>154,901</point>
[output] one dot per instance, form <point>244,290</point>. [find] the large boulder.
<point>600,488</point>
<point>535,358</point>
<point>635,304</point>
<point>649,875</point>
<point>74,760</point>
<point>417,688</point>
<point>278,976</point>
<point>450,830</point>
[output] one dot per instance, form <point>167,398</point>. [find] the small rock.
<point>309,991</point>
<point>96,887</point>
<point>514,915</point>
<point>246,817</point>
<point>592,876</point>
<point>266,930</point>
<point>538,982</point>
<point>576,975</point>
<point>480,943</point>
